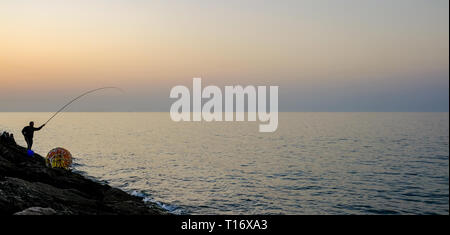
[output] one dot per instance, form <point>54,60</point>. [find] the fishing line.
<point>78,97</point>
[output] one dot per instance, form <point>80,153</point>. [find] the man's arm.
<point>36,129</point>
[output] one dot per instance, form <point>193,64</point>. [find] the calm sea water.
<point>316,163</point>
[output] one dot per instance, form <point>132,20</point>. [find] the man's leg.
<point>26,140</point>
<point>29,143</point>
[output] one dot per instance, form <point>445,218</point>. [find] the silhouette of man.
<point>28,133</point>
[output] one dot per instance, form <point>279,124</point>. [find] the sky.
<point>325,55</point>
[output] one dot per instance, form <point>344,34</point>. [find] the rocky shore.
<point>29,187</point>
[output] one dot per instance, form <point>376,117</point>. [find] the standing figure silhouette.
<point>28,133</point>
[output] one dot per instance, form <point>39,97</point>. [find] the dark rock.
<point>38,211</point>
<point>26,184</point>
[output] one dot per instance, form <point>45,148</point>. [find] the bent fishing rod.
<point>78,97</point>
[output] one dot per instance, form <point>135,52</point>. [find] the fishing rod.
<point>78,97</point>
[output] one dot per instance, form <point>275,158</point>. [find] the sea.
<point>315,163</point>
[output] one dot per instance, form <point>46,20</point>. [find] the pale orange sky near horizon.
<point>149,46</point>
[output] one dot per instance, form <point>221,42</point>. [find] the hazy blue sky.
<point>326,55</point>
